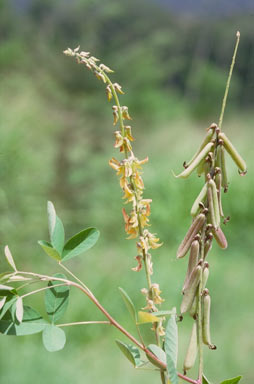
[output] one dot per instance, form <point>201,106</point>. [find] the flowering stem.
<point>83,323</point>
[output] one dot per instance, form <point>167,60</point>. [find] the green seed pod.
<point>206,140</point>
<point>195,227</point>
<point>200,199</point>
<point>195,163</point>
<point>191,353</point>
<point>194,308</point>
<point>212,186</point>
<point>220,238</point>
<point>211,207</point>
<point>206,320</point>
<point>218,181</point>
<point>205,275</point>
<point>191,289</point>
<point>201,168</point>
<point>233,153</point>
<point>224,178</point>
<point>193,260</point>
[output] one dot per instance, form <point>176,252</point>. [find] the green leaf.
<point>164,313</point>
<point>171,348</point>
<point>205,380</point>
<point>53,338</point>
<point>235,380</point>
<point>158,352</point>
<point>129,304</point>
<point>146,317</point>
<point>32,323</point>
<point>132,353</point>
<point>5,288</point>
<point>171,339</point>
<point>80,243</point>
<point>56,299</point>
<point>8,304</point>
<point>47,247</point>
<point>9,257</point>
<point>56,229</point>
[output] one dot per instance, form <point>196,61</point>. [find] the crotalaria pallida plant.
<point>19,319</point>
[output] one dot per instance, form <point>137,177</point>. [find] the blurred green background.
<point>56,138</point>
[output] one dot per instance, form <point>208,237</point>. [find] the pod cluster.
<point>207,216</point>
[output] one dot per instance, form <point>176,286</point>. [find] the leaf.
<point>171,348</point>
<point>5,288</point>
<point>56,228</point>
<point>129,304</point>
<point>53,338</point>
<point>32,323</point>
<point>56,299</point>
<point>235,380</point>
<point>47,247</point>
<point>80,243</point>
<point>9,257</point>
<point>146,317</point>
<point>164,313</point>
<point>171,339</point>
<point>158,352</point>
<point>2,302</point>
<point>19,309</point>
<point>132,353</point>
<point>8,304</point>
<point>205,380</point>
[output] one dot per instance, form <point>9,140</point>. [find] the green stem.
<point>224,102</point>
<point>83,323</point>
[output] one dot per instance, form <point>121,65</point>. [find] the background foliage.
<point>55,142</point>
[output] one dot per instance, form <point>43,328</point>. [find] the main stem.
<point>224,102</point>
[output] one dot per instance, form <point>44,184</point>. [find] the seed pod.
<point>206,320</point>
<point>195,163</point>
<point>218,180</point>
<point>220,238</point>
<point>192,232</point>
<point>190,290</point>
<point>193,260</point>
<point>212,186</point>
<point>224,178</point>
<point>191,353</point>
<point>201,168</point>
<point>211,207</point>
<point>233,153</point>
<point>200,199</point>
<point>206,140</point>
<point>208,246</point>
<point>194,306</point>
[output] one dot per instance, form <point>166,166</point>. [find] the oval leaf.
<point>129,304</point>
<point>32,323</point>
<point>50,251</point>
<point>56,228</point>
<point>145,317</point>
<point>56,299</point>
<point>131,352</point>
<point>19,309</point>
<point>235,380</point>
<point>158,352</point>
<point>53,338</point>
<point>5,288</point>
<point>171,348</point>
<point>171,339</point>
<point>9,257</point>
<point>80,243</point>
